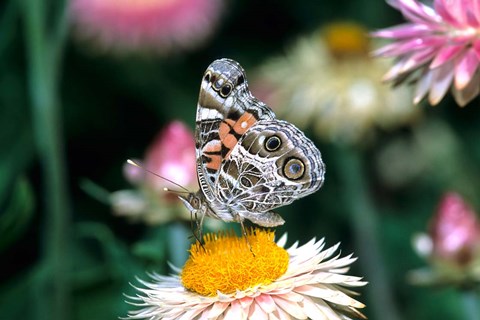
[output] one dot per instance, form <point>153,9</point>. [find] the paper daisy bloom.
<point>452,245</point>
<point>328,81</point>
<point>438,49</point>
<point>231,279</point>
<point>158,26</point>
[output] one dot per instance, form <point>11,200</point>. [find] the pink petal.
<point>246,302</point>
<point>417,12</point>
<point>441,80</point>
<point>217,309</point>
<point>235,312</point>
<point>406,30</point>
<point>466,95</point>
<point>465,69</point>
<point>448,13</point>
<point>290,296</point>
<point>266,302</point>
<point>476,48</point>
<point>459,13</point>
<point>473,18</point>
<point>394,71</point>
<point>257,313</point>
<point>475,11</point>
<point>393,3</point>
<point>407,46</point>
<point>416,60</point>
<point>444,55</point>
<point>423,85</point>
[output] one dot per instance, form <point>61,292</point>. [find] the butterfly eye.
<point>195,202</point>
<point>207,77</point>
<point>273,143</point>
<point>226,89</point>
<point>294,169</point>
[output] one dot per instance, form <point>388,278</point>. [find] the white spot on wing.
<point>206,113</point>
<point>261,140</point>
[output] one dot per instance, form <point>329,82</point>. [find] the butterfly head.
<point>192,201</point>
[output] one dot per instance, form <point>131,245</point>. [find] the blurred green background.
<point>70,115</point>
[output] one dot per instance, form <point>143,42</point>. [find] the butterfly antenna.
<point>185,190</point>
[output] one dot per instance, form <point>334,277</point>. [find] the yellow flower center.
<point>227,264</point>
<point>346,38</point>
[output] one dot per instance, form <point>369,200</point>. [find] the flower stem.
<point>43,53</point>
<point>365,225</point>
<point>178,243</point>
<point>471,305</point>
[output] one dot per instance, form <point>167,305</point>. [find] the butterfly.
<point>248,161</point>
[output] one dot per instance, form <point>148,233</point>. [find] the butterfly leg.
<point>197,229</point>
<point>244,232</point>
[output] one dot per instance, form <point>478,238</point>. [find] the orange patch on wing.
<point>215,162</point>
<point>244,123</point>
<point>230,141</point>
<point>230,122</point>
<point>223,130</point>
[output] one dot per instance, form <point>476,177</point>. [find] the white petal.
<point>330,294</point>
<point>217,309</point>
<point>235,312</point>
<point>266,302</point>
<point>319,311</point>
<point>291,308</point>
<point>246,302</point>
<point>282,241</point>
<point>462,97</point>
<point>441,80</point>
<point>423,85</point>
<point>257,313</point>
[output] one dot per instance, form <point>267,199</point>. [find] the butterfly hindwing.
<point>248,162</point>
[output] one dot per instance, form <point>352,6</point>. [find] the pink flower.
<point>439,48</point>
<point>172,155</point>
<point>455,230</point>
<point>152,25</point>
<point>452,246</point>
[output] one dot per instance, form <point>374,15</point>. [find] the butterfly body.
<point>248,162</point>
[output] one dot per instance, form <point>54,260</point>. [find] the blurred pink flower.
<point>455,230</point>
<point>145,25</point>
<point>172,155</point>
<point>452,246</point>
<point>439,48</point>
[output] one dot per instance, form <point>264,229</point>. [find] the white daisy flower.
<point>230,278</point>
<point>327,81</point>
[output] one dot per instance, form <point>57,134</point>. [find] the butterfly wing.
<point>248,162</point>
<point>273,164</point>
<point>224,114</point>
